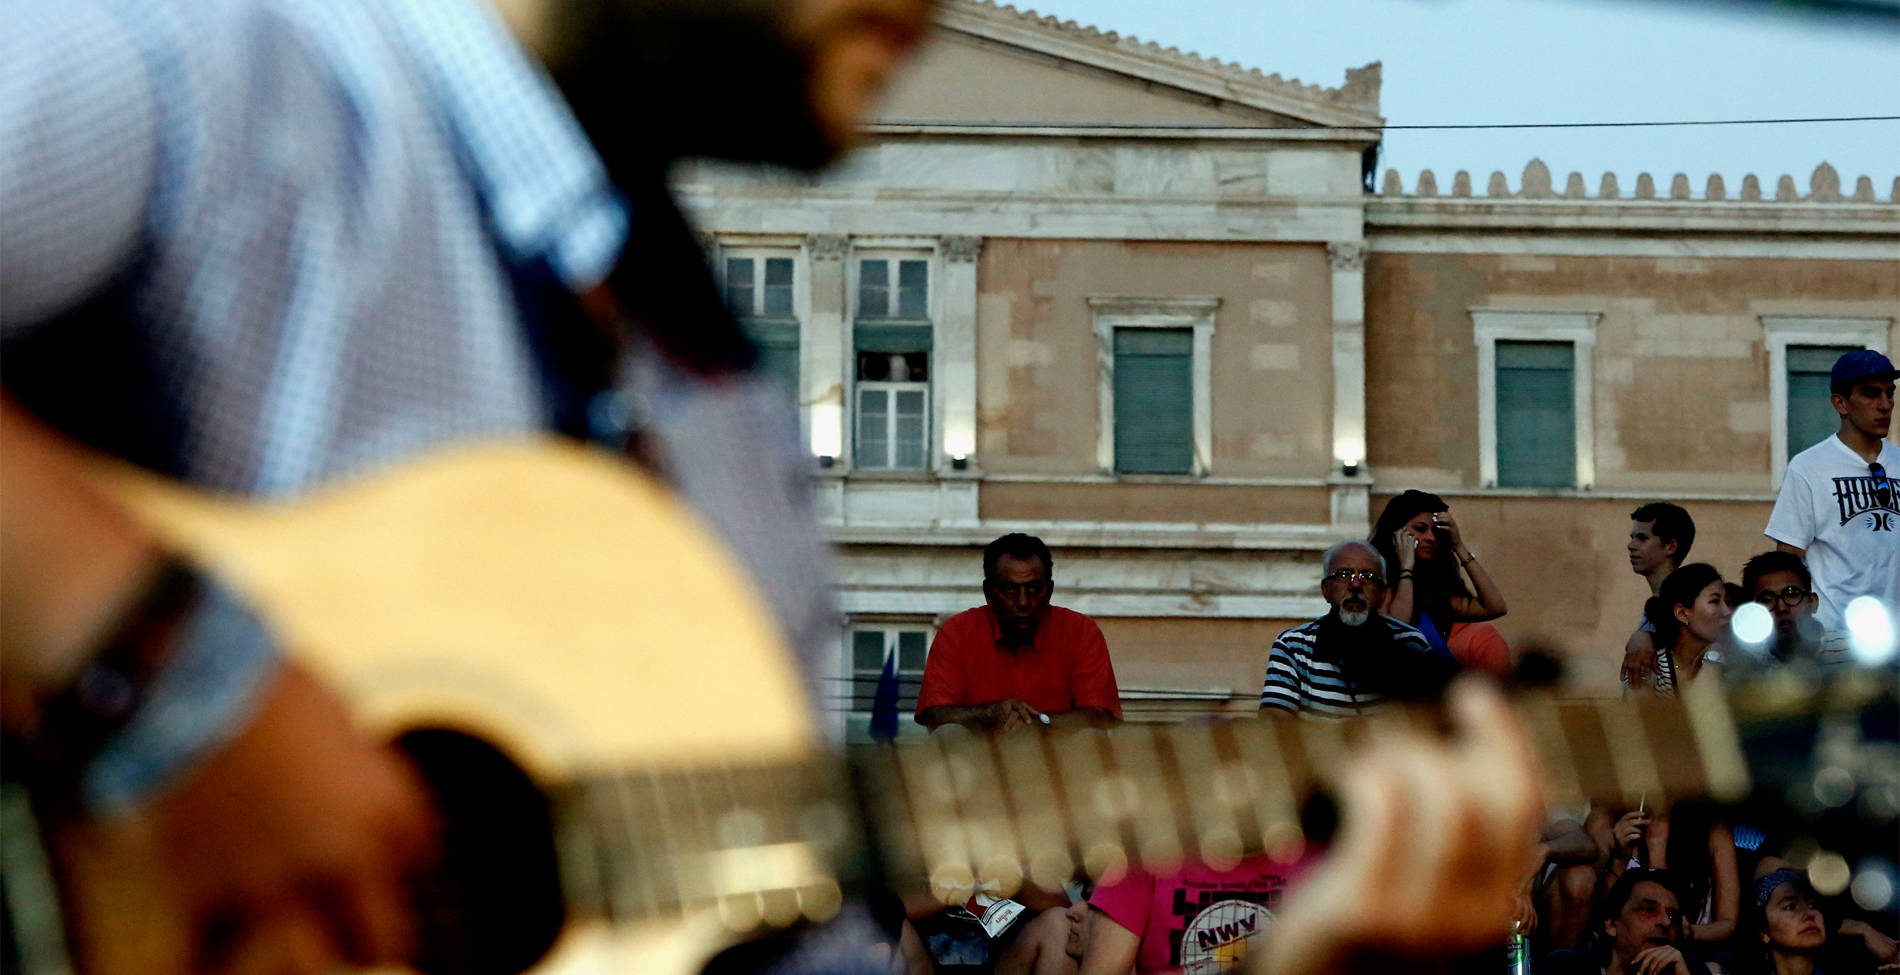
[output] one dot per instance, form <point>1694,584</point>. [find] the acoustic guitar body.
<point>543,597</point>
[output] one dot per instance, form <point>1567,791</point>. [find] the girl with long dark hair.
<point>1427,565</point>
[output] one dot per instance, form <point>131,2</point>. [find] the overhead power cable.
<point>1396,128</point>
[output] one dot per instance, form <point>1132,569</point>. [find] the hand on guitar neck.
<point>1434,845</point>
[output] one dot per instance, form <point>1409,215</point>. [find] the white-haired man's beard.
<point>1354,618</point>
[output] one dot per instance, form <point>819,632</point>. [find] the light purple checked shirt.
<point>311,209</point>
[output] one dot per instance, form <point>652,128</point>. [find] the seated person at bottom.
<point>1787,934</point>
<point>1641,927</point>
<point>1197,918</point>
<point>1006,664</point>
<point>1355,656</point>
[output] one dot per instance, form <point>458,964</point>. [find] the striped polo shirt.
<point>1300,682</point>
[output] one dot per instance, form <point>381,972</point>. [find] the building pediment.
<point>992,64</point>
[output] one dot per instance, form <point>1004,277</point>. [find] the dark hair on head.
<point>1754,920</point>
<point>1020,546</point>
<point>1625,887</point>
<point>1434,580</point>
<point>1669,523</point>
<point>1771,562</point>
<point>1680,589</point>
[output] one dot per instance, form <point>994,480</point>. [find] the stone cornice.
<point>1355,104</point>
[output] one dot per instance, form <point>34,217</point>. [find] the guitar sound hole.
<point>494,905</point>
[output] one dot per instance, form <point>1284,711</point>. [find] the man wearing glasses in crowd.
<point>1837,509</point>
<point>1779,581</point>
<point>1354,656</point>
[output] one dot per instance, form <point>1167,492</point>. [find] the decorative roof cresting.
<point>1824,186</point>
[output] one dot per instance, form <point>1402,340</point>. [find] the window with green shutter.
<point>891,338</point>
<point>759,293</point>
<point>1811,416</point>
<point>1154,400</point>
<point>1536,414</point>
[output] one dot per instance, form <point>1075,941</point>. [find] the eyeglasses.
<point>1789,596</point>
<point>1350,576</point>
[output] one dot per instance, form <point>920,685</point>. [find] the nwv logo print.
<point>1871,496</point>
<point>1216,941</point>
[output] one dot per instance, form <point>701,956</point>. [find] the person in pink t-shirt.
<point>1198,920</point>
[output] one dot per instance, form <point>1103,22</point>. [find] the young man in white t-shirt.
<point>1837,507</point>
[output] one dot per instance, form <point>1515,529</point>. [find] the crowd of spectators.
<point>1657,889</point>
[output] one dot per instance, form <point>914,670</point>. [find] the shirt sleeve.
<point>944,684</point>
<point>1281,690</point>
<point>78,153</point>
<point>1093,682</point>
<point>1126,901</point>
<point>1792,520</point>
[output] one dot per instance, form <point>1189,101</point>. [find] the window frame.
<point>891,251</point>
<point>1579,328</point>
<point>1781,331</point>
<point>1197,313</point>
<point>892,388</point>
<point>801,297</point>
<point>857,723</point>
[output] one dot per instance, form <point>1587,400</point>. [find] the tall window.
<point>1536,414</point>
<point>759,291</point>
<point>1811,416</point>
<point>870,647</point>
<point>1154,400</point>
<point>892,341</point>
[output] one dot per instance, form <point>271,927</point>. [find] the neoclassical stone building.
<point>1151,308</point>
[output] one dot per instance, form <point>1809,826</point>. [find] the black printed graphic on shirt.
<point>1870,496</point>
<point>1213,927</point>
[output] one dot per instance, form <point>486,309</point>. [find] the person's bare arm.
<point>75,563</point>
<point>994,716</point>
<point>1489,602</point>
<point>1111,949</point>
<point>1725,888</point>
<point>1400,599</point>
<point>1639,660</point>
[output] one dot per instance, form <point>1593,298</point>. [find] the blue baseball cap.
<point>1858,365</point>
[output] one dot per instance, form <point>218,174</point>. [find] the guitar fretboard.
<point>962,813</point>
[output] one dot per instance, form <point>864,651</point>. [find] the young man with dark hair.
<point>1661,535</point>
<point>1837,509</point>
<point>1017,660</point>
<point>1780,583</point>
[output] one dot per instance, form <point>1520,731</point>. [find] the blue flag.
<point>884,705</point>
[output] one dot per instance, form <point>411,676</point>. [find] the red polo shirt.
<point>1066,668</point>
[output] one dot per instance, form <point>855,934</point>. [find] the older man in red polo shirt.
<point>1018,661</point>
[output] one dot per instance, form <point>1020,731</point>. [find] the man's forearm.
<point>74,563</point>
<point>979,716</point>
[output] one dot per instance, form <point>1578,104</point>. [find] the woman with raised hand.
<point>1433,579</point>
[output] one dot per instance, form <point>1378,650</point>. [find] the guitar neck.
<point>770,844</point>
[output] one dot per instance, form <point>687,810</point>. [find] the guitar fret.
<point>1212,795</point>
<point>1095,802</point>
<point>631,890</point>
<point>1582,725</point>
<point>1026,773</point>
<point>669,868</point>
<point>993,850</point>
<point>1560,776</point>
<point>1630,752</point>
<point>1269,778</point>
<point>899,843</point>
<point>927,787</point>
<point>584,876</point>
<point>1712,728</point>
<point>1152,817</point>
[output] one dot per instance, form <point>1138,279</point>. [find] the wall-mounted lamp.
<point>827,461</point>
<point>1350,468</point>
<point>959,462</point>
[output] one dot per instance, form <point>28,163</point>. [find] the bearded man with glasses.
<point>1354,657</point>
